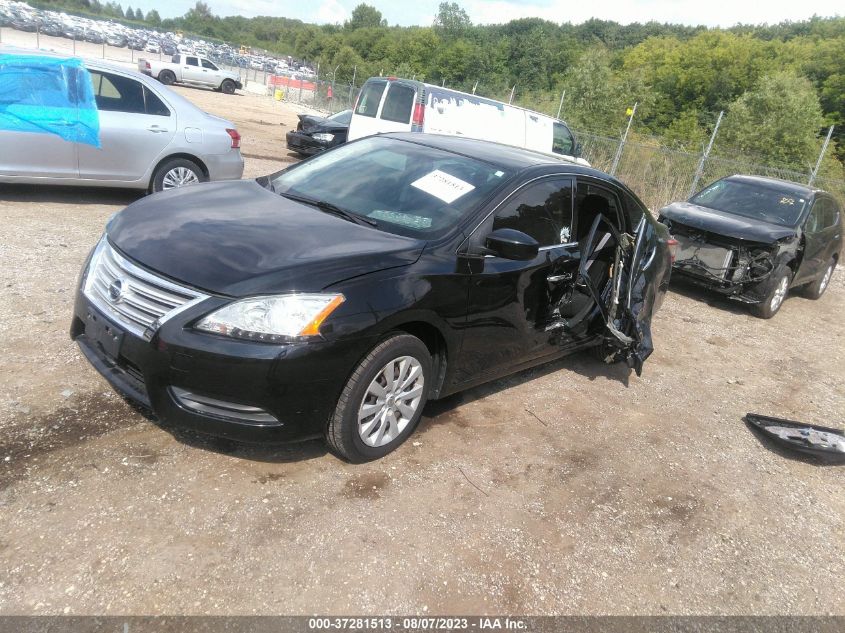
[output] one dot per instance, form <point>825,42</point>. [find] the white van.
<point>388,104</point>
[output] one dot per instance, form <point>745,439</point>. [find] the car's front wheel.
<point>382,401</point>
<point>816,289</point>
<point>176,172</point>
<point>774,293</point>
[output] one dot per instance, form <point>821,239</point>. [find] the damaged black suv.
<point>752,239</point>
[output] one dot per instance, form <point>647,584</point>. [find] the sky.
<point>422,12</point>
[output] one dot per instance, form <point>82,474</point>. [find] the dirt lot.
<point>573,488</point>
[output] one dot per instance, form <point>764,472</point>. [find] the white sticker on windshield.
<point>442,185</point>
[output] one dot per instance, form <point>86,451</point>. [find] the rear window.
<point>399,103</point>
<point>117,94</point>
<point>370,98</point>
<point>155,106</point>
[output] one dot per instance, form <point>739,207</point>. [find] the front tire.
<point>166,77</point>
<point>383,400</point>
<point>176,172</point>
<point>775,293</point>
<point>816,289</point>
<point>228,87</point>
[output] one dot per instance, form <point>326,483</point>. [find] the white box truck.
<point>390,104</point>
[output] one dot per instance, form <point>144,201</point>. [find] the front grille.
<point>136,299</point>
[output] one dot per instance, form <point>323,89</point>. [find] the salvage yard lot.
<point>575,487</point>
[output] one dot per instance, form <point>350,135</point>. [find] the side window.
<point>590,201</point>
<point>634,208</point>
<point>399,103</point>
<point>834,213</point>
<point>191,61</point>
<point>815,221</point>
<point>154,105</point>
<point>370,98</point>
<point>208,64</point>
<point>114,93</point>
<point>542,210</point>
<point>562,141</point>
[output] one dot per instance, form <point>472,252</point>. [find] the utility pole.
<point>622,142</point>
<point>560,107</point>
<point>821,156</point>
<point>700,169</point>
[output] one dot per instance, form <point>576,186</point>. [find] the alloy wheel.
<point>391,401</point>
<point>826,279</point>
<point>780,294</point>
<point>178,177</point>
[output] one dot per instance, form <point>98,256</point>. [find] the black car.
<point>334,298</point>
<point>315,134</point>
<point>752,239</point>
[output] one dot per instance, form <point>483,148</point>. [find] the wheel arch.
<point>434,340</point>
<point>184,155</point>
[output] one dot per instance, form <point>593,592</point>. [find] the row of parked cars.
<point>336,297</point>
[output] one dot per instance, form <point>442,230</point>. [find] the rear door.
<point>135,128</point>
<point>820,238</point>
<point>384,106</point>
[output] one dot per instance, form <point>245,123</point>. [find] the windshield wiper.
<point>328,207</point>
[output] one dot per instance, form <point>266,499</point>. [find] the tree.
<point>451,21</point>
<point>153,17</point>
<point>777,122</point>
<point>363,16</point>
<point>130,13</point>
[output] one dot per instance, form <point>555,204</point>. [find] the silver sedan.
<point>150,138</point>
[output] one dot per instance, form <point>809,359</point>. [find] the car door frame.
<point>819,245</point>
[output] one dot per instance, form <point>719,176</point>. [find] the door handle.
<point>156,129</point>
<point>561,277</point>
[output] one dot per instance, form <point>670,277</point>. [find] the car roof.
<point>787,186</point>
<point>505,156</point>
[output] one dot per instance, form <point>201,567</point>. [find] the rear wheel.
<point>382,401</point>
<point>166,77</point>
<point>775,291</point>
<point>176,172</point>
<point>816,289</point>
<point>228,86</point>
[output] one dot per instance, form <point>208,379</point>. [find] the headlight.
<point>274,318</point>
<point>323,136</point>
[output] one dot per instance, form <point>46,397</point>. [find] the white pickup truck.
<point>192,70</point>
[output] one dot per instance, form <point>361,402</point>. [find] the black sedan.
<point>752,239</point>
<point>334,298</point>
<point>316,134</point>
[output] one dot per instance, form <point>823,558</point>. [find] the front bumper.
<point>742,292</point>
<point>297,385</point>
<point>304,144</point>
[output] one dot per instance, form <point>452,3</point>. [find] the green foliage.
<point>365,16</point>
<point>153,18</point>
<point>452,21</point>
<point>779,119</point>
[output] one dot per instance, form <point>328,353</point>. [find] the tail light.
<point>148,66</point>
<point>236,138</point>
<point>419,115</point>
<point>672,243</point>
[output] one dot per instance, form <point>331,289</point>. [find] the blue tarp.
<point>48,95</point>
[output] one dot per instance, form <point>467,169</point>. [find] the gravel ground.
<point>573,488</point>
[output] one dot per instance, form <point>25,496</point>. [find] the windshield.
<point>751,200</point>
<point>408,189</point>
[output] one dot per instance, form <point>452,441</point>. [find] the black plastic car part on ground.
<point>753,238</point>
<point>819,441</point>
<point>314,134</point>
<point>336,297</point>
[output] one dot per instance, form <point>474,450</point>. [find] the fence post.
<point>512,91</point>
<point>475,87</point>
<point>821,156</point>
<point>38,36</point>
<point>622,142</point>
<point>699,171</point>
<point>560,107</point>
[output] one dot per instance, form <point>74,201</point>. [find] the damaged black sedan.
<point>334,298</point>
<point>753,239</point>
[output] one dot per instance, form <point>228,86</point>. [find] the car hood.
<point>237,238</point>
<point>726,224</point>
<point>311,123</point>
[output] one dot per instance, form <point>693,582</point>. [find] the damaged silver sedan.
<point>753,239</point>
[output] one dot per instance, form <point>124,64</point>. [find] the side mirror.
<point>512,244</point>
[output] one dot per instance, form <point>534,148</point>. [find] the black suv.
<point>754,238</point>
